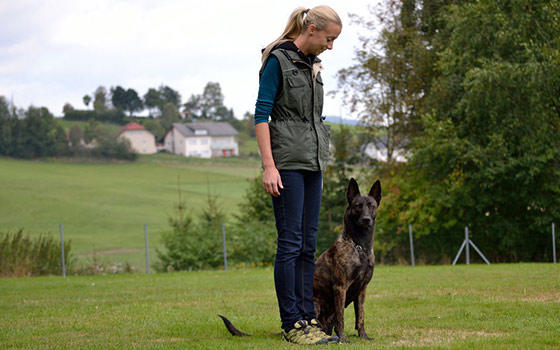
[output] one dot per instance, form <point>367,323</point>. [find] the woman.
<point>294,149</point>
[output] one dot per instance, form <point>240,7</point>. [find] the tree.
<point>92,131</point>
<point>169,116</point>
<point>154,126</point>
<point>209,105</point>
<point>470,87</point>
<point>168,95</point>
<point>86,99</point>
<point>67,108</point>
<point>126,100</point>
<point>253,233</point>
<point>192,108</point>
<point>76,136</point>
<point>4,108</point>
<point>157,99</point>
<point>133,102</point>
<point>118,97</point>
<point>496,109</point>
<point>192,245</point>
<point>153,101</point>
<point>38,135</point>
<point>100,99</point>
<point>7,119</point>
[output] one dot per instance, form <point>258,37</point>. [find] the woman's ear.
<point>312,29</point>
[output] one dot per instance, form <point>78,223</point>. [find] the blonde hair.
<point>300,19</point>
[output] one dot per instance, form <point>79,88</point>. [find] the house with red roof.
<point>141,140</point>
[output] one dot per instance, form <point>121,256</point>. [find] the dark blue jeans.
<point>297,217</point>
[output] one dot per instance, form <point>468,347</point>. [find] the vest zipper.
<point>294,61</point>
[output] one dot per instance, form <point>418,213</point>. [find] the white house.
<point>378,150</point>
<point>203,140</point>
<point>141,140</point>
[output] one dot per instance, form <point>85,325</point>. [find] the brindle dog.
<point>343,272</point>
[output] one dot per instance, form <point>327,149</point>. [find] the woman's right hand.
<point>271,181</point>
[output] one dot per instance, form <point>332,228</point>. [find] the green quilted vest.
<point>298,136</point>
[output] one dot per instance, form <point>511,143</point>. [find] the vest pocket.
<point>299,93</point>
<point>293,144</point>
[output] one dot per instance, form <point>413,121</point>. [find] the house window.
<point>204,141</point>
<point>192,142</point>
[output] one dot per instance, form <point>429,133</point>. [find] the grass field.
<point>515,306</point>
<point>104,206</point>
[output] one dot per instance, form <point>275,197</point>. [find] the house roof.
<point>130,127</point>
<point>212,129</point>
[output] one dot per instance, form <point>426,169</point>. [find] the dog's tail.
<point>231,328</point>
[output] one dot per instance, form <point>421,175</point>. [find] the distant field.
<point>514,306</point>
<point>104,206</point>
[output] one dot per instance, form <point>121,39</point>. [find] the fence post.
<point>411,244</point>
<point>467,247</point>
<point>62,250</point>
<point>553,245</point>
<point>224,242</point>
<point>146,243</point>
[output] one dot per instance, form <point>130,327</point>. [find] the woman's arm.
<point>271,179</point>
<point>268,87</point>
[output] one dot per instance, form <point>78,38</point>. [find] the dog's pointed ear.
<point>353,190</point>
<point>375,192</point>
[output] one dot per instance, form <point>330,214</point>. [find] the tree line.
<point>35,133</point>
<point>164,105</point>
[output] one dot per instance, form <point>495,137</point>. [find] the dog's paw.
<point>363,335</point>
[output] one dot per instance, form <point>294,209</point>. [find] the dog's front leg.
<point>339,302</point>
<point>359,311</point>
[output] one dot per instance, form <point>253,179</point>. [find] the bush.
<point>192,245</point>
<point>115,116</point>
<point>111,147</point>
<point>21,256</point>
<point>252,243</point>
<point>35,135</point>
<point>196,245</point>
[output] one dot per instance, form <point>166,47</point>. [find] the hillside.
<point>104,205</point>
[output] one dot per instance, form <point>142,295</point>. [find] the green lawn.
<point>104,205</point>
<point>514,306</point>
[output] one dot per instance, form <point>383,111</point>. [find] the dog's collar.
<point>358,247</point>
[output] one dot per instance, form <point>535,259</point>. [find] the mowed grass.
<point>103,206</point>
<point>515,306</point>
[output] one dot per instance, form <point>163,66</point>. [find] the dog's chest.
<point>361,267</point>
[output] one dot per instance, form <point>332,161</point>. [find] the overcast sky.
<point>56,51</point>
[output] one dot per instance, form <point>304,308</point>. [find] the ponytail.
<point>300,19</point>
<point>292,30</point>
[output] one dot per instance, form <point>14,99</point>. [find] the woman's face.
<point>321,40</point>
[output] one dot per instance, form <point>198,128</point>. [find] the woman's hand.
<point>272,182</point>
